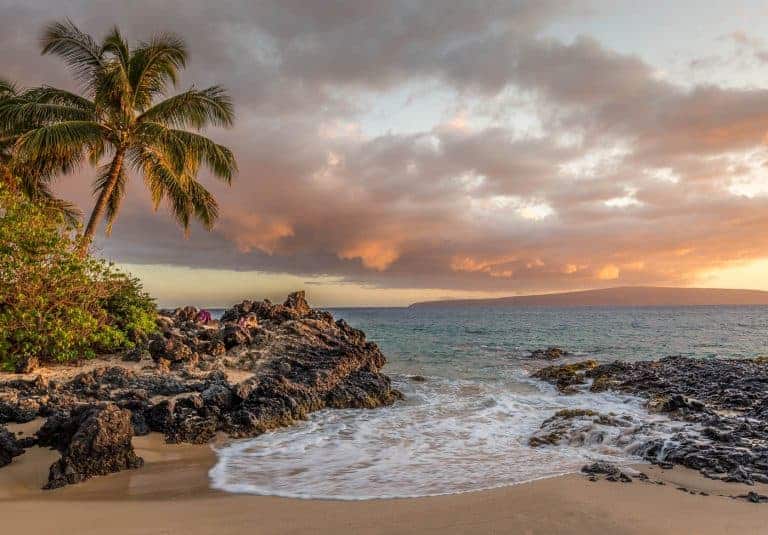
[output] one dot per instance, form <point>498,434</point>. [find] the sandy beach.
<point>170,495</point>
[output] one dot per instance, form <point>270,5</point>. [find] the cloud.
<point>549,164</point>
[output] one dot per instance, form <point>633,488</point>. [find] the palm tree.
<point>35,183</point>
<point>121,119</point>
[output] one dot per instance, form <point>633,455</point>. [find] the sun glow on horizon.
<point>752,275</point>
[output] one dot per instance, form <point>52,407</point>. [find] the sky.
<point>397,151</point>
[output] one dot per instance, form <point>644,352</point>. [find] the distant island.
<point>631,296</point>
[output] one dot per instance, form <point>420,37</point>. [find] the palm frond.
<point>41,193</point>
<point>59,144</point>
<point>114,94</point>
<point>153,65</point>
<point>21,113</point>
<point>204,203</point>
<point>219,159</point>
<point>194,108</point>
<point>52,95</point>
<point>160,139</point>
<point>196,150</point>
<point>185,196</point>
<point>78,50</point>
<point>47,131</point>
<point>7,88</point>
<point>163,183</point>
<point>117,46</point>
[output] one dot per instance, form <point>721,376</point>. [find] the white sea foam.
<point>448,436</point>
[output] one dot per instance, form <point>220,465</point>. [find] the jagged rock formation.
<point>567,377</point>
<point>260,367</point>
<point>92,441</point>
<point>9,447</point>
<point>724,400</point>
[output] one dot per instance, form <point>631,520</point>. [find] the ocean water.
<point>468,425</point>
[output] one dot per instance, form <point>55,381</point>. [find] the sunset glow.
<point>535,147</point>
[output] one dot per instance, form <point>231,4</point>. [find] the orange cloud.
<point>609,272</point>
<point>249,232</point>
<point>377,255</point>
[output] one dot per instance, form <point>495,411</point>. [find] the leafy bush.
<point>55,305</point>
<point>130,309</point>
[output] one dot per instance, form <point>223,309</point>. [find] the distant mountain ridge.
<point>622,296</point>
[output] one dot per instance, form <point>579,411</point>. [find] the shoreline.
<point>171,494</point>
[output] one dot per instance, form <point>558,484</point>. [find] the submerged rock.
<point>577,427</point>
<point>725,401</point>
<point>92,441</point>
<point>566,377</point>
<point>551,353</point>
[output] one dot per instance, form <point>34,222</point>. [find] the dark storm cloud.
<point>625,179</point>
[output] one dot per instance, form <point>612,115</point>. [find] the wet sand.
<point>170,495</point>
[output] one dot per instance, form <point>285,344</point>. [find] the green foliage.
<point>54,304</point>
<point>125,117</point>
<point>23,114</point>
<point>131,310</point>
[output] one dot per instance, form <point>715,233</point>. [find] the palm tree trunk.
<point>101,204</point>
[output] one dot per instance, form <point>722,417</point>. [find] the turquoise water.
<point>476,342</point>
<point>467,427</point>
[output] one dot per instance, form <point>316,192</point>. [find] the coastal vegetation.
<point>120,124</point>
<point>57,301</point>
<point>56,305</point>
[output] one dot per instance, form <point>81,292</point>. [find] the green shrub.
<point>130,309</point>
<point>55,305</point>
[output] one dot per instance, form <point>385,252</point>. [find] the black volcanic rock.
<point>10,447</point>
<point>262,366</point>
<point>93,441</point>
<point>724,400</point>
<point>567,377</point>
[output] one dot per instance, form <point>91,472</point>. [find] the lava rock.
<point>93,440</point>
<point>169,347</point>
<point>10,447</point>
<point>609,470</point>
<point>726,400</point>
<point>234,335</point>
<point>291,362</point>
<point>577,427</point>
<point>15,408</point>
<point>566,377</point>
<point>298,303</point>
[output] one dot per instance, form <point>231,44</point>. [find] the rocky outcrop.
<point>578,427</point>
<point>9,447</point>
<point>725,401</point>
<point>260,367</point>
<point>92,440</point>
<point>567,377</point>
<point>300,360</point>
